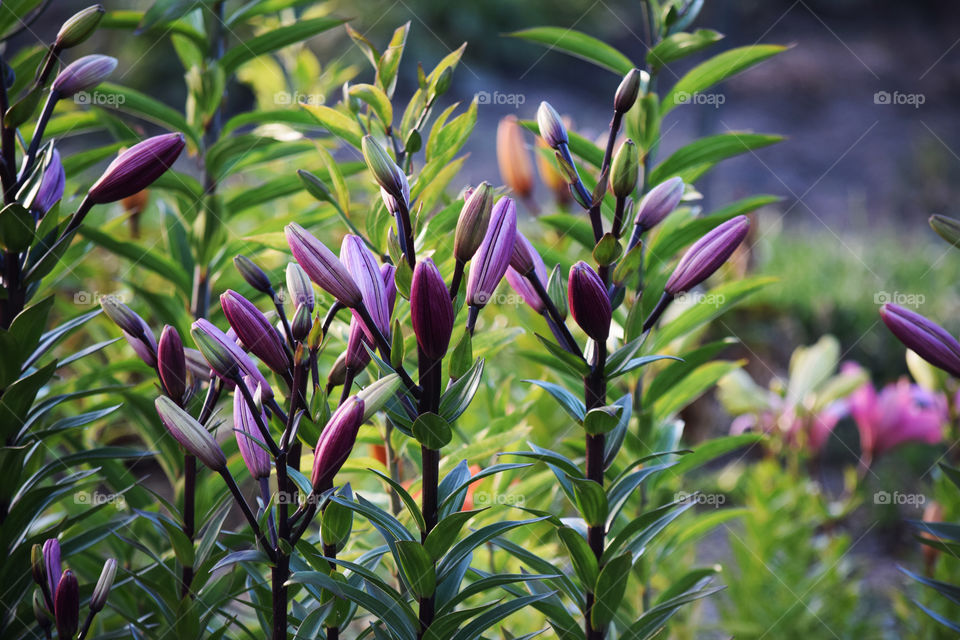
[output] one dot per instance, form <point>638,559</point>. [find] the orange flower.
<point>513,158</point>
<point>550,175</point>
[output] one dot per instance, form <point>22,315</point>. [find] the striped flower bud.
<point>100,592</point>
<point>516,170</point>
<point>335,443</point>
<point>473,222</point>
<point>83,74</point>
<point>253,274</point>
<point>625,170</point>
<point>524,257</point>
<point>627,92</point>
<point>363,267</point>
<point>356,356</point>
<point>929,340</point>
<point>51,564</point>
<point>588,301</point>
<point>78,27</point>
<point>493,256</point>
<point>532,266</point>
<point>377,394</point>
<point>224,355</point>
<point>136,331</point>
<point>947,228</point>
<point>66,605</point>
<point>707,255</point>
<point>388,274</point>
<point>37,569</point>
<point>299,287</point>
<point>302,323</point>
<point>255,331</point>
<point>322,266</point>
<point>248,433</point>
<point>137,168</point>
<point>191,435</point>
<point>51,187</point>
<point>385,171</point>
<point>431,311</point>
<point>551,126</point>
<point>658,203</point>
<point>172,364</point>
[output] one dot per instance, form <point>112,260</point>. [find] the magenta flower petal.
<point>255,331</point>
<point>431,311</point>
<point>363,267</point>
<point>172,363</point>
<point>493,257</point>
<point>322,266</point>
<point>248,433</point>
<point>335,443</point>
<point>66,605</point>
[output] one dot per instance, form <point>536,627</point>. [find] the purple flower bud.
<point>322,266</point>
<point>299,286</point>
<point>137,168</point>
<point>388,273</point>
<point>255,331</point>
<point>100,592</point>
<point>224,356</point>
<point>658,203</point>
<point>335,443</point>
<point>357,356</point>
<point>172,364</point>
<point>302,323</point>
<point>551,126</point>
<point>521,283</point>
<point>363,267</point>
<point>627,92</point>
<point>51,564</point>
<point>493,256</point>
<point>253,274</point>
<point>431,310</point>
<point>588,301</point>
<point>191,435</point>
<point>929,340</point>
<point>66,605</point>
<point>524,258</point>
<point>196,363</point>
<point>83,74</point>
<point>51,188</point>
<point>135,330</point>
<point>248,433</point>
<point>707,255</point>
<point>473,221</point>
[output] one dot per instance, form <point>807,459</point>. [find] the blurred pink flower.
<point>902,412</point>
<point>816,428</point>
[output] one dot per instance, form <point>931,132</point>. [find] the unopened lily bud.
<point>550,175</point>
<point>357,356</point>
<point>363,267</point>
<point>299,286</point>
<point>78,27</point>
<point>335,443</point>
<point>248,433</point>
<point>255,331</point>
<point>388,274</point>
<point>385,171</point>
<point>625,170</point>
<point>473,222</point>
<point>524,257</point>
<point>557,291</point>
<point>51,564</point>
<point>442,85</point>
<point>137,168</point>
<point>37,570</point>
<point>338,372</point>
<point>707,255</point>
<point>493,256</point>
<point>627,92</point>
<point>588,301</point>
<point>946,228</point>
<point>224,355</point>
<point>66,605</point>
<point>431,311</point>
<point>302,323</point>
<point>136,331</point>
<point>927,339</point>
<point>191,435</point>
<point>658,203</point>
<point>376,394</point>
<point>172,364</point>
<point>100,592</point>
<point>520,282</point>
<point>51,188</point>
<point>551,126</point>
<point>253,274</point>
<point>513,158</point>
<point>322,266</point>
<point>83,74</point>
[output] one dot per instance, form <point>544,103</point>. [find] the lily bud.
<point>588,300</point>
<point>658,203</point>
<point>255,331</point>
<point>172,364</point>
<point>550,175</point>
<point>37,569</point>
<point>513,158</point>
<point>625,170</point>
<point>533,267</point>
<point>385,171</point>
<point>83,74</point>
<point>356,356</point>
<point>431,311</point>
<point>627,92</point>
<point>493,256</point>
<point>224,355</point>
<point>388,274</point>
<point>335,443</point>
<point>78,27</point>
<point>946,228</point>
<point>302,323</point>
<point>363,267</point>
<point>137,168</point>
<point>136,331</point>
<point>51,188</point>
<point>322,266</point>
<point>100,592</point>
<point>248,433</point>
<point>524,257</point>
<point>551,126</point>
<point>376,394</point>
<point>191,435</point>
<point>252,274</point>
<point>929,340</point>
<point>557,291</point>
<point>473,222</point>
<point>51,564</point>
<point>338,372</point>
<point>707,255</point>
<point>66,605</point>
<point>299,286</point>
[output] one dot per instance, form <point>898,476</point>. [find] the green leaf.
<point>584,562</point>
<point>417,567</point>
<point>163,11</point>
<point>140,257</point>
<point>274,39</point>
<point>465,547</point>
<point>602,419</point>
<point>579,45</point>
<point>16,228</point>
<point>407,499</point>
<point>692,387</point>
<point>611,585</point>
<point>681,45</point>
<point>432,431</point>
<point>440,539</point>
<point>336,122</point>
<point>712,449</point>
<point>591,500</point>
<point>377,99</point>
<point>691,161</point>
<point>496,614</point>
<point>571,361</point>
<point>459,394</point>
<point>140,104</point>
<point>570,403</point>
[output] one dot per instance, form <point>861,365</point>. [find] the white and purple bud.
<point>552,130</point>
<point>493,256</point>
<point>134,328</point>
<point>255,331</point>
<point>658,203</point>
<point>191,435</point>
<point>323,266</point>
<point>137,168</point>
<point>83,74</point>
<point>707,255</point>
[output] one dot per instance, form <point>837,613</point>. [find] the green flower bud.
<point>627,92</point>
<point>625,169</point>
<point>557,291</point>
<point>946,228</point>
<point>376,394</point>
<point>79,27</point>
<point>473,222</point>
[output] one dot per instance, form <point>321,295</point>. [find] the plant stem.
<point>595,395</point>
<point>457,278</point>
<point>384,347</point>
<point>554,315</point>
<point>52,98</point>
<point>189,515</point>
<point>248,514</point>
<point>430,379</point>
